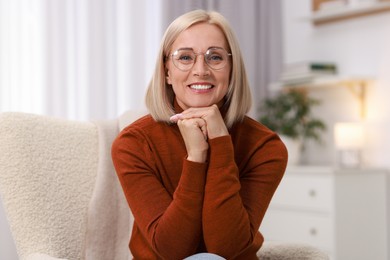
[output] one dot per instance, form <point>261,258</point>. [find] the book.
<point>293,69</point>
<point>304,78</point>
<point>306,71</point>
<point>332,5</point>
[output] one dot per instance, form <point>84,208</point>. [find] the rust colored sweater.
<point>182,207</point>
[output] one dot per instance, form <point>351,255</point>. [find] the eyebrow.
<point>192,49</point>
<point>185,48</point>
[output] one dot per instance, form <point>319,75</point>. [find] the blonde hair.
<point>159,96</point>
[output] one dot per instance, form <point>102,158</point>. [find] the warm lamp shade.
<point>349,136</point>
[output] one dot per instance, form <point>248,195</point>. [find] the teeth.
<point>201,87</point>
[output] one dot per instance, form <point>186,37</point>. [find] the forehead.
<point>200,37</point>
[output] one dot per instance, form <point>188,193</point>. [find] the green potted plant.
<point>289,113</point>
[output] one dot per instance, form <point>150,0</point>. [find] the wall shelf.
<point>326,16</point>
<point>357,86</point>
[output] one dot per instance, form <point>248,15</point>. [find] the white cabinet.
<point>343,212</point>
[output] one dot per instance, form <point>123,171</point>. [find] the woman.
<point>197,173</point>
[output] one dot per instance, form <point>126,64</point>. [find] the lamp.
<point>349,140</point>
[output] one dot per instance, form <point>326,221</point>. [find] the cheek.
<point>174,76</point>
<point>227,79</point>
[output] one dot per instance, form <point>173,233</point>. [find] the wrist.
<point>197,157</point>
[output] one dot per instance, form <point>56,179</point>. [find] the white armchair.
<point>61,193</point>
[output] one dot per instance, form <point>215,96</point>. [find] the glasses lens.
<point>216,58</point>
<point>183,59</point>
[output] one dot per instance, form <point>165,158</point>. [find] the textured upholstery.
<point>47,173</point>
<point>290,251</point>
<point>61,194</point>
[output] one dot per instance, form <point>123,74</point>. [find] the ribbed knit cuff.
<point>193,177</point>
<point>221,152</point>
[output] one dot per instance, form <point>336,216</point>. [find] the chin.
<point>202,105</point>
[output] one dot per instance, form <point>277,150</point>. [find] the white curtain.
<point>92,59</point>
<point>78,59</point>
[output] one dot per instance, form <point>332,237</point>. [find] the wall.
<point>360,47</point>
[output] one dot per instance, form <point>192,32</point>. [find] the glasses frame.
<point>196,56</point>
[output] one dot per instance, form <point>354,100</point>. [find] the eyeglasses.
<point>216,58</point>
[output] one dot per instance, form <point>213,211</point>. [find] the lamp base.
<point>349,158</point>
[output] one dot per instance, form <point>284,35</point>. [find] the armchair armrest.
<point>40,256</point>
<point>290,251</point>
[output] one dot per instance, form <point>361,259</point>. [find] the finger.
<point>200,112</point>
<point>175,118</point>
<point>203,127</point>
<point>194,113</point>
<point>196,123</point>
<point>191,113</point>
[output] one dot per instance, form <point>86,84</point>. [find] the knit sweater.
<point>182,207</point>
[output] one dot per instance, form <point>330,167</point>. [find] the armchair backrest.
<point>48,169</point>
<point>59,188</point>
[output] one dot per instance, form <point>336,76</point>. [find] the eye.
<point>215,57</point>
<point>185,58</point>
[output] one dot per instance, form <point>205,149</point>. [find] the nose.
<point>200,66</point>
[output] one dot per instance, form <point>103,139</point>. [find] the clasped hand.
<point>197,125</point>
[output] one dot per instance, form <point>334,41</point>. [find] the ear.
<point>168,77</point>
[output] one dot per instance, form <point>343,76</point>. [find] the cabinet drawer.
<point>305,191</point>
<point>296,227</point>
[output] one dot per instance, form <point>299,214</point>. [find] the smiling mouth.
<point>201,87</point>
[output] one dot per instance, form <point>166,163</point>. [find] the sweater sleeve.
<point>170,225</point>
<point>235,203</point>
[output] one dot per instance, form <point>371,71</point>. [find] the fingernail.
<point>175,118</point>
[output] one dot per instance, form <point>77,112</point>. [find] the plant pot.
<point>294,148</point>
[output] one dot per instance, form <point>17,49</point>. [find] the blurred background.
<point>93,59</point>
